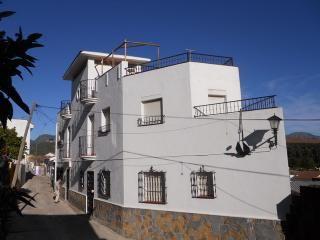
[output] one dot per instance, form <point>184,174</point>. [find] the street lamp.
<point>274,124</point>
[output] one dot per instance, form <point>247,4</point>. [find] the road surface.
<point>53,221</point>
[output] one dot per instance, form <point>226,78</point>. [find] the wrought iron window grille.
<point>150,120</point>
<point>152,187</point>
<point>104,184</point>
<point>203,184</point>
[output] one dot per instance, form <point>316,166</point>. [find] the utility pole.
<point>17,169</point>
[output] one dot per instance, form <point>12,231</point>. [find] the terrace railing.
<point>104,130</point>
<point>88,90</point>
<point>86,146</point>
<point>180,58</point>
<point>65,109</point>
<point>66,150</point>
<point>249,104</point>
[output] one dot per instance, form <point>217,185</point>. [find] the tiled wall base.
<point>154,224</point>
<point>77,200</point>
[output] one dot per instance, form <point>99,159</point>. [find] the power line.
<point>193,118</point>
<point>166,158</point>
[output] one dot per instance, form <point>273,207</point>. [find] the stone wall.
<point>78,200</point>
<point>154,224</point>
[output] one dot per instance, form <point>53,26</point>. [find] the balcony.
<point>65,151</point>
<point>150,120</point>
<point>104,130</point>
<point>86,147</point>
<point>249,104</point>
<point>88,91</point>
<point>178,59</point>
<point>65,109</point>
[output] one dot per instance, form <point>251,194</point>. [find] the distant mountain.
<point>302,137</point>
<point>43,144</point>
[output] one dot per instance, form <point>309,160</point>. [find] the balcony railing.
<point>65,151</point>
<point>65,109</point>
<point>88,91</point>
<point>249,104</point>
<point>180,58</point>
<point>104,130</point>
<point>86,146</point>
<point>150,120</point>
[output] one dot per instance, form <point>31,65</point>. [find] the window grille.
<point>152,187</point>
<point>81,180</point>
<point>104,184</point>
<point>203,184</point>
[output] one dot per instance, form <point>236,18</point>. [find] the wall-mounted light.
<point>274,124</point>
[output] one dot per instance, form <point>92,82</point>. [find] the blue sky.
<point>274,43</point>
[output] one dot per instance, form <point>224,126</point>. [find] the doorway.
<point>90,191</point>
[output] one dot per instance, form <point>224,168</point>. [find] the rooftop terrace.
<point>178,59</point>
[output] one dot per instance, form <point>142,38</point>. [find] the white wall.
<point>20,126</point>
<point>213,79</point>
<point>246,187</point>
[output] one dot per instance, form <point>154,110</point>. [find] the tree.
<point>13,56</point>
<point>9,143</point>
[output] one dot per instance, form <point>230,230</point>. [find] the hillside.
<point>302,137</point>
<point>303,150</point>
<point>43,144</point>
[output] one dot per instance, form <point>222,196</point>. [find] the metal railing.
<point>103,130</point>
<point>150,120</point>
<point>65,108</point>
<point>180,58</point>
<point>88,89</point>
<point>65,150</point>
<point>86,146</point>
<point>249,104</point>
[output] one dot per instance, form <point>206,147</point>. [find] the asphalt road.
<point>51,221</point>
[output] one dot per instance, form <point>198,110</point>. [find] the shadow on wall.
<point>50,227</point>
<point>283,207</point>
<point>79,120</point>
<point>252,140</point>
<point>75,172</point>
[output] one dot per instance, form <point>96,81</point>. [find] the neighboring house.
<point>303,178</point>
<point>149,148</point>
<point>20,126</point>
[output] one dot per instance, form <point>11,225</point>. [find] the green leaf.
<point>5,14</point>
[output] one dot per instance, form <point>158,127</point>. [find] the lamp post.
<point>274,124</point>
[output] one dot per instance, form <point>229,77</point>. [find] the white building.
<point>149,148</point>
<point>20,126</point>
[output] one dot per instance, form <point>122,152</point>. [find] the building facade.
<point>169,149</point>
<point>20,125</point>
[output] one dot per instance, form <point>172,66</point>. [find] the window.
<point>104,184</point>
<point>105,122</point>
<point>81,180</point>
<point>203,184</point>
<point>152,187</point>
<point>152,113</point>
